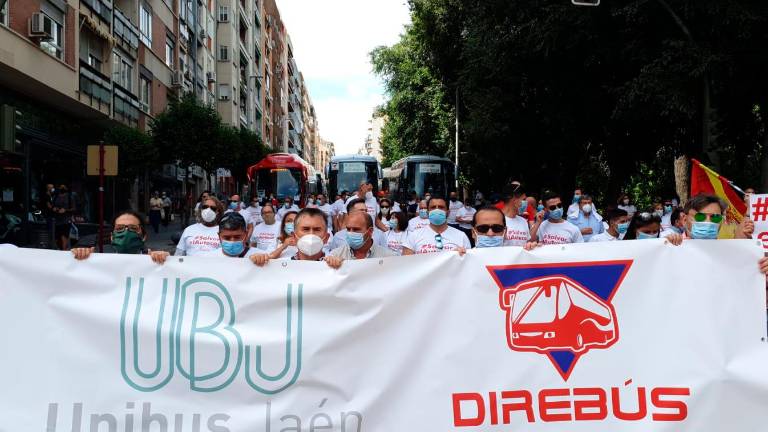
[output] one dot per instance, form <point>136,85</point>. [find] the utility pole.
<point>457,140</point>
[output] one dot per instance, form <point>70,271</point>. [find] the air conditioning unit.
<point>211,76</point>
<point>40,26</point>
<point>177,78</point>
<point>203,34</point>
<point>224,97</point>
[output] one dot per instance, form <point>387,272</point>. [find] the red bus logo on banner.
<point>560,310</point>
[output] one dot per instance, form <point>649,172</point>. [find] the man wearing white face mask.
<point>311,233</point>
<point>203,237</point>
<point>586,220</point>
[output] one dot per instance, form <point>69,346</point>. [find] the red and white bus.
<point>281,175</point>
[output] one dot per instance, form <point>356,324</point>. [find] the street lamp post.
<point>457,140</point>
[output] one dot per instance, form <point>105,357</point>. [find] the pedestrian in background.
<point>155,211</point>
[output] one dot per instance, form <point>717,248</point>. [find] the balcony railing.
<point>101,8</point>
<point>126,33</point>
<point>96,87</point>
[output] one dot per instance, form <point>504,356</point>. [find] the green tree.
<point>553,94</point>
<point>419,117</point>
<point>187,133</point>
<point>136,151</point>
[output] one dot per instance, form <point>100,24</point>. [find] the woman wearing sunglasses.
<point>202,237</point>
<point>128,237</point>
<point>647,225</point>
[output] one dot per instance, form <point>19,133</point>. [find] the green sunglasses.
<point>702,217</point>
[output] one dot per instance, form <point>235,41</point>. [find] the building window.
<point>54,46</point>
<point>145,93</point>
<point>223,14</point>
<point>4,12</point>
<point>169,52</point>
<point>122,72</point>
<point>145,24</point>
<point>91,50</point>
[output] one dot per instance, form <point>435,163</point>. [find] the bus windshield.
<point>433,177</point>
<point>282,182</point>
<point>349,175</point>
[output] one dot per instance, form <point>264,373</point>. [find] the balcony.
<point>101,8</point>
<point>295,121</point>
<point>95,86</point>
<point>294,101</point>
<point>126,33</point>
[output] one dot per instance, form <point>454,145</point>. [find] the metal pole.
<point>457,139</point>
<point>101,196</point>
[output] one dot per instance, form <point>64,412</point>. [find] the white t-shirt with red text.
<point>417,223</point>
<point>265,237</point>
<point>518,233</point>
<point>198,239</point>
<point>424,240</point>
<point>559,233</point>
<point>395,241</point>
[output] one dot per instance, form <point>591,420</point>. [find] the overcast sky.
<point>331,41</point>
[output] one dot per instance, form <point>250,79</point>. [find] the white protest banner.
<point>620,336</point>
<point>757,210</point>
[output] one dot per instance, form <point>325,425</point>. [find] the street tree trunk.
<point>682,178</point>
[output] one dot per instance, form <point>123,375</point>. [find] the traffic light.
<point>9,128</point>
<point>586,2</point>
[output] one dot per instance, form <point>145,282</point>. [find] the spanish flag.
<point>704,180</point>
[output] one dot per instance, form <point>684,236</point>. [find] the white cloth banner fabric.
<point>619,336</point>
<point>757,210</point>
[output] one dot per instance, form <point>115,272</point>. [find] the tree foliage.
<point>553,94</point>
<point>136,151</point>
<point>191,133</point>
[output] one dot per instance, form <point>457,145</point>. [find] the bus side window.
<point>563,301</point>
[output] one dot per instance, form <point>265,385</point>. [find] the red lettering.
<point>680,406</point>
<point>545,406</point>
<point>599,404</point>
<point>477,398</point>
<point>642,409</point>
<point>526,405</point>
<point>493,408</point>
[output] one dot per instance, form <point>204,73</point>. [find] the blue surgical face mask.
<point>423,213</point>
<point>484,241</point>
<point>678,230</point>
<point>289,228</point>
<point>643,236</point>
<point>523,206</point>
<point>556,214</point>
<point>539,207</point>
<point>232,205</point>
<point>437,217</point>
<point>576,198</point>
<point>622,227</point>
<point>667,209</point>
<point>704,230</point>
<point>232,248</point>
<point>355,240</point>
<point>392,223</point>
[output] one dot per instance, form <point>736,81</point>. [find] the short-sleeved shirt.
<point>424,240</point>
<point>559,233</point>
<point>265,237</point>
<point>219,253</point>
<point>518,233</point>
<point>466,213</point>
<point>345,252</point>
<point>395,241</point>
<point>583,221</point>
<point>198,239</point>
<point>417,223</point>
<point>602,237</point>
<point>282,211</point>
<point>252,215</point>
<point>453,210</point>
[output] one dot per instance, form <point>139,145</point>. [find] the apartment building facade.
<point>71,69</point>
